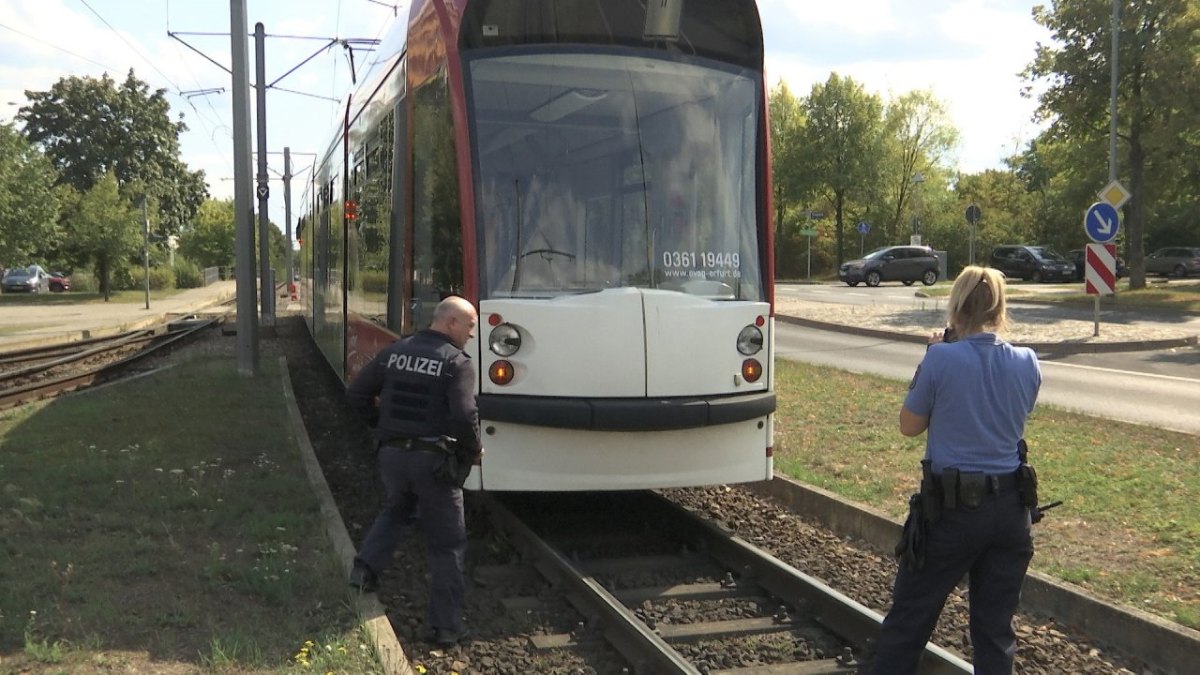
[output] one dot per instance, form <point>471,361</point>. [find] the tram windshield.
<point>607,170</point>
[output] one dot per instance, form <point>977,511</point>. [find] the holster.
<point>455,468</point>
<point>910,550</point>
<point>1027,479</point>
<point>924,507</point>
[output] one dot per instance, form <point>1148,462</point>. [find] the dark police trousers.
<point>992,544</point>
<point>408,481</point>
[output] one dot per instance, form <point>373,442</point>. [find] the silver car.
<point>32,279</point>
<point>1175,261</point>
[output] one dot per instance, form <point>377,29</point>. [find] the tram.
<point>594,176</point>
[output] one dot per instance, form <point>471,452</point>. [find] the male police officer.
<point>424,420</point>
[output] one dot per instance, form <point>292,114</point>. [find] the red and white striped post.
<point>1100,276</point>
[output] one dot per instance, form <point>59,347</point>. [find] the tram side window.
<point>437,232</point>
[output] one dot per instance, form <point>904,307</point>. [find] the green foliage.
<point>374,281</point>
<point>91,127</point>
<point>161,278</point>
<point>188,274</point>
<point>84,282</point>
<point>842,140</point>
<point>1157,110</point>
<point>28,203</point>
<point>103,226</point>
<point>210,238</point>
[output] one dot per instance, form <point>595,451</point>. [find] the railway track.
<point>41,372</point>
<point>674,593</point>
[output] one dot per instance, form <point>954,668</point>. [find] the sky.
<point>967,53</point>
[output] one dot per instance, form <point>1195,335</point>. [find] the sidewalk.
<point>49,323</point>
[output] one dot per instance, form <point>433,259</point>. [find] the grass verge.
<point>1129,528</point>
<point>164,525</point>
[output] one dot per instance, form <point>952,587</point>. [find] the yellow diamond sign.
<point>1114,193</point>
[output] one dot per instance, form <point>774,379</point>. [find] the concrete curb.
<point>369,609</point>
<point>1039,347</point>
<point>1165,646</point>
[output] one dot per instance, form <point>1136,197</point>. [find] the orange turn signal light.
<point>751,370</point>
<point>501,372</point>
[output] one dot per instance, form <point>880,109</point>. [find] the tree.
<point>1158,92</point>
<point>105,225</point>
<point>842,141</point>
<point>28,203</point>
<point>919,138</point>
<point>789,187</point>
<point>91,128</point>
<point>209,241</point>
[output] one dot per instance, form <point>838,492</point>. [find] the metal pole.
<point>1112,95</point>
<point>146,248</point>
<point>243,207</point>
<point>1112,132</point>
<point>265,285</point>
<point>287,217</point>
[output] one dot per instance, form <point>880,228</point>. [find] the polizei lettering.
<point>416,364</point>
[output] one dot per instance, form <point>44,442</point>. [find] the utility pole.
<point>247,319</point>
<point>146,249</point>
<point>266,282</point>
<point>287,216</point>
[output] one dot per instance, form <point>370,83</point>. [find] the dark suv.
<point>892,263</point>
<point>1177,261</point>
<point>1032,263</point>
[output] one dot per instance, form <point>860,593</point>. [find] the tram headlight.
<point>751,370</point>
<point>750,341</point>
<point>504,340</point>
<point>501,372</point>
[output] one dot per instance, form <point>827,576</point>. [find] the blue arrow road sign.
<point>1101,222</point>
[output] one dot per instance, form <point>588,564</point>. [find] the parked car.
<point>30,279</point>
<point>1032,263</point>
<point>59,282</point>
<point>892,263</point>
<point>1176,261</point>
<point>1077,256</point>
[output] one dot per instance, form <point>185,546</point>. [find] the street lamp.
<point>917,179</point>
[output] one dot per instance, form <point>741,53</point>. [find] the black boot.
<point>362,578</point>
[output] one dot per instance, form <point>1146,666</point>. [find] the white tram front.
<point>594,176</point>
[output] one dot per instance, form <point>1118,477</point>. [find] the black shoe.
<point>362,578</point>
<point>444,637</point>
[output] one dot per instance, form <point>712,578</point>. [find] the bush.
<point>188,274</point>
<point>373,281</point>
<point>84,282</point>
<point>161,278</point>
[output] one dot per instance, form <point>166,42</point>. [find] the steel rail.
<point>629,635</point>
<point>649,648</point>
<point>39,390</point>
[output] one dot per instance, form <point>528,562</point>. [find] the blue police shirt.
<point>977,393</point>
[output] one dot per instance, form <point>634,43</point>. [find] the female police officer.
<point>973,393</point>
<point>426,410</point>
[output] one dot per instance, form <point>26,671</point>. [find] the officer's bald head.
<point>457,318</point>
